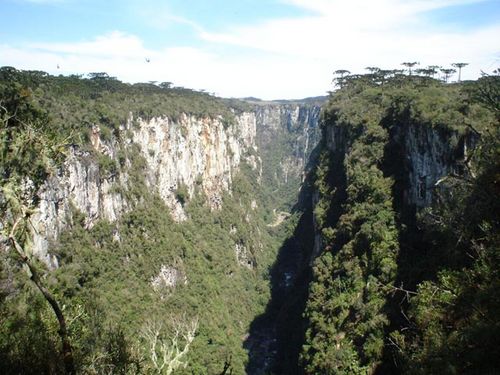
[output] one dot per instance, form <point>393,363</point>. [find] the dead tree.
<point>167,352</point>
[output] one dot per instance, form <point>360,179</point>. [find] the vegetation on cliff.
<point>143,294</point>
<point>395,288</point>
<point>394,291</point>
<point>75,103</point>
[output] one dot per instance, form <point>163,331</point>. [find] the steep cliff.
<point>166,204</point>
<point>188,153</point>
<point>180,156</point>
<point>288,133</point>
<point>153,208</point>
<point>393,158</point>
<point>248,233</point>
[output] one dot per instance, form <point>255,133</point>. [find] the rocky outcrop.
<point>243,256</point>
<point>289,132</point>
<point>167,279</point>
<point>80,184</point>
<point>192,153</point>
<point>430,154</point>
<point>188,153</point>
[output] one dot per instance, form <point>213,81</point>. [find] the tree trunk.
<point>67,352</point>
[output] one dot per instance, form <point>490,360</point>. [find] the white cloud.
<point>283,58</point>
<point>124,56</point>
<point>357,33</point>
<point>159,15</point>
<point>115,44</point>
<point>361,31</point>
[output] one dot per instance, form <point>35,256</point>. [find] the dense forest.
<point>114,322</point>
<point>403,286</point>
<point>393,272</point>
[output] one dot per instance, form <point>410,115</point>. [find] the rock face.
<point>168,278</point>
<point>428,156</point>
<point>422,157</point>
<point>289,132</point>
<point>180,156</point>
<point>189,153</point>
<point>243,256</point>
<point>80,184</point>
<point>423,154</point>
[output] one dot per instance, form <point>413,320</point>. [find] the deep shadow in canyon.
<point>276,336</point>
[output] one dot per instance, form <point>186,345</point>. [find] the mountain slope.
<point>400,164</point>
<point>160,216</point>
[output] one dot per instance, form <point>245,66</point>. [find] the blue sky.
<point>266,48</point>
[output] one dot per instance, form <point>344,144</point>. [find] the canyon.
<point>283,237</point>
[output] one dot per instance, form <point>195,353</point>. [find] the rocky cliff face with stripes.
<point>178,156</point>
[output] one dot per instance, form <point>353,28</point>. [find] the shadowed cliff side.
<point>276,337</point>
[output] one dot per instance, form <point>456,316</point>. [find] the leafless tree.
<point>167,349</point>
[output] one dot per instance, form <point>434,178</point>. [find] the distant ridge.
<point>310,100</point>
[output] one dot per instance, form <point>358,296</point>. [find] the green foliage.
<point>281,144</point>
<point>31,151</point>
<point>105,276</point>
<point>453,315</point>
<point>28,341</point>
<point>182,194</point>
<point>346,301</point>
<point>29,146</point>
<point>75,104</point>
<point>106,164</point>
<point>117,273</point>
<point>106,272</point>
<point>105,284</point>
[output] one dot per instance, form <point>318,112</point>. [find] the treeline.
<point>101,312</point>
<point>75,103</point>
<point>380,76</point>
<point>395,289</point>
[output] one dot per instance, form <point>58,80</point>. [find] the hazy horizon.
<point>268,49</point>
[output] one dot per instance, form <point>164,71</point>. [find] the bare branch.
<point>165,352</point>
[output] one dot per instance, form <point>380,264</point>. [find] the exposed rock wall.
<point>430,154</point>
<point>190,152</point>
<point>292,129</point>
<point>423,157</point>
<point>193,152</point>
<point>80,184</point>
<point>187,153</point>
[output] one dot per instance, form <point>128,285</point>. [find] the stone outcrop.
<point>190,153</point>
<point>294,128</point>
<point>181,156</point>
<point>168,278</point>
<point>193,152</point>
<point>429,155</point>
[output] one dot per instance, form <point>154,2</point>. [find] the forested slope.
<point>407,277</point>
<point>179,232</point>
<point>149,216</point>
